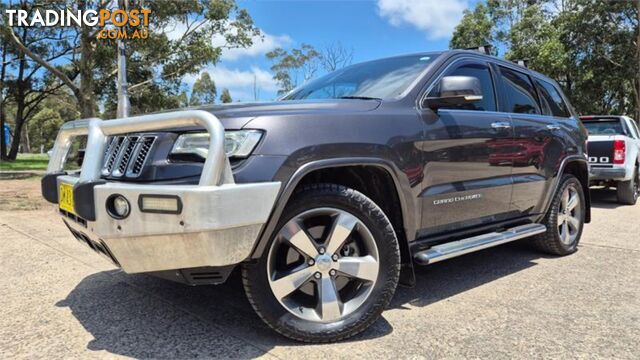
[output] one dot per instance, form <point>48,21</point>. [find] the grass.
<point>26,162</point>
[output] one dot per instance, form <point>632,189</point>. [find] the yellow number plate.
<point>66,197</point>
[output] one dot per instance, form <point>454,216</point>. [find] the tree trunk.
<point>20,102</point>
<point>3,69</point>
<point>84,95</point>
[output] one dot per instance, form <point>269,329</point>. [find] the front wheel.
<point>329,270</point>
<point>564,220</point>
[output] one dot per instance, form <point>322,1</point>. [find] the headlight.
<point>238,144</point>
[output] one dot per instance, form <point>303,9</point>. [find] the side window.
<point>520,92</point>
<point>634,129</point>
<point>482,73</point>
<point>551,99</point>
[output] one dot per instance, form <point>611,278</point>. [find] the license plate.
<point>66,198</point>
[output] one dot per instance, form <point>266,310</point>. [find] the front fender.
<point>408,205</point>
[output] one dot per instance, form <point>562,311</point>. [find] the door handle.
<point>501,125</point>
<point>553,127</point>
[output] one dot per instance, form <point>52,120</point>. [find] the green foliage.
<point>225,97</point>
<point>474,30</point>
<point>290,66</point>
<point>156,65</point>
<point>25,162</point>
<point>591,47</point>
<point>203,90</point>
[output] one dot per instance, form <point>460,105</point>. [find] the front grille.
<point>126,155</point>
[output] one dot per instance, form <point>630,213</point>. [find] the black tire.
<point>550,241</point>
<point>264,302</point>
<point>628,191</point>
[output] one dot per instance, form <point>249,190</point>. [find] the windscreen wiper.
<point>359,97</point>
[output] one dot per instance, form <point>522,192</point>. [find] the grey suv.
<point>327,198</point>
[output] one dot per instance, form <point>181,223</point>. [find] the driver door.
<point>467,158</point>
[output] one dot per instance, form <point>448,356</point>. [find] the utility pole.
<point>123,86</point>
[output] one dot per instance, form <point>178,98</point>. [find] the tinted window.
<point>551,99</point>
<point>385,78</point>
<point>521,95</point>
<point>612,127</point>
<point>634,129</point>
<point>482,73</point>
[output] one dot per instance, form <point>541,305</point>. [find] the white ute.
<point>614,149</point>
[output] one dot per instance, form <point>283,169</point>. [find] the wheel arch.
<point>397,205</point>
<point>577,166</point>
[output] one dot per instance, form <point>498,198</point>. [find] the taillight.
<point>618,151</point>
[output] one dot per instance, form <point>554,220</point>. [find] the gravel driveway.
<point>60,300</point>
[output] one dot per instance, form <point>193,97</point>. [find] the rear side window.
<point>482,73</point>
<point>521,95</point>
<point>609,127</point>
<point>552,100</point>
<point>633,127</point>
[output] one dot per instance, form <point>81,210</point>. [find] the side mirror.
<point>455,91</point>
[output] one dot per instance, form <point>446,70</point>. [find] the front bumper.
<point>217,225</point>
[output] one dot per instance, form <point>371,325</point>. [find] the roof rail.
<point>484,49</point>
<point>521,62</point>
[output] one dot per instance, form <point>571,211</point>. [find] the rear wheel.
<point>628,191</point>
<point>329,270</point>
<point>564,220</point>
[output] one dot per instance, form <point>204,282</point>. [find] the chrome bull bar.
<point>211,228</point>
<point>216,170</point>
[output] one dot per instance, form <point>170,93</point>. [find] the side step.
<point>479,242</point>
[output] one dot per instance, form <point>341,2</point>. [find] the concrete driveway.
<point>60,300</point>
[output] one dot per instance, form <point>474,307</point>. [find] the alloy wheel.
<point>569,215</point>
<point>323,264</point>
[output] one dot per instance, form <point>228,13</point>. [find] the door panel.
<point>538,150</point>
<point>537,146</point>
<point>467,178</point>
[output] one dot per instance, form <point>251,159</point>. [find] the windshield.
<point>379,79</point>
<point>613,127</point>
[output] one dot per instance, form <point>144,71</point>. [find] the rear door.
<point>538,146</point>
<point>467,175</point>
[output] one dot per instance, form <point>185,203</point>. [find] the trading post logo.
<point>112,24</point>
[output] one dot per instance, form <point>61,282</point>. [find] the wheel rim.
<point>569,215</point>
<point>323,264</point>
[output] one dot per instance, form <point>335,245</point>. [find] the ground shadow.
<point>144,317</point>
<point>604,198</point>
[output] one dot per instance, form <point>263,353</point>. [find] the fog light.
<point>118,207</point>
<point>165,204</point>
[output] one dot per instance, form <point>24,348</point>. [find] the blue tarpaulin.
<point>7,134</point>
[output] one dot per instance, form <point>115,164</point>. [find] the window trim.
<point>449,67</point>
<point>507,101</point>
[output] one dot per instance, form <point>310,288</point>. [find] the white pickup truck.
<point>614,149</point>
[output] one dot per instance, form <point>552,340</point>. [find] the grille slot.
<point>127,155</point>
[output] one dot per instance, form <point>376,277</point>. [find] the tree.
<point>290,66</point>
<point>27,86</point>
<point>475,29</point>
<point>203,90</point>
<point>45,123</point>
<point>335,56</point>
<point>591,47</point>
<point>225,97</point>
<point>156,63</point>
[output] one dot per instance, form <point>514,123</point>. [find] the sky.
<point>372,28</point>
